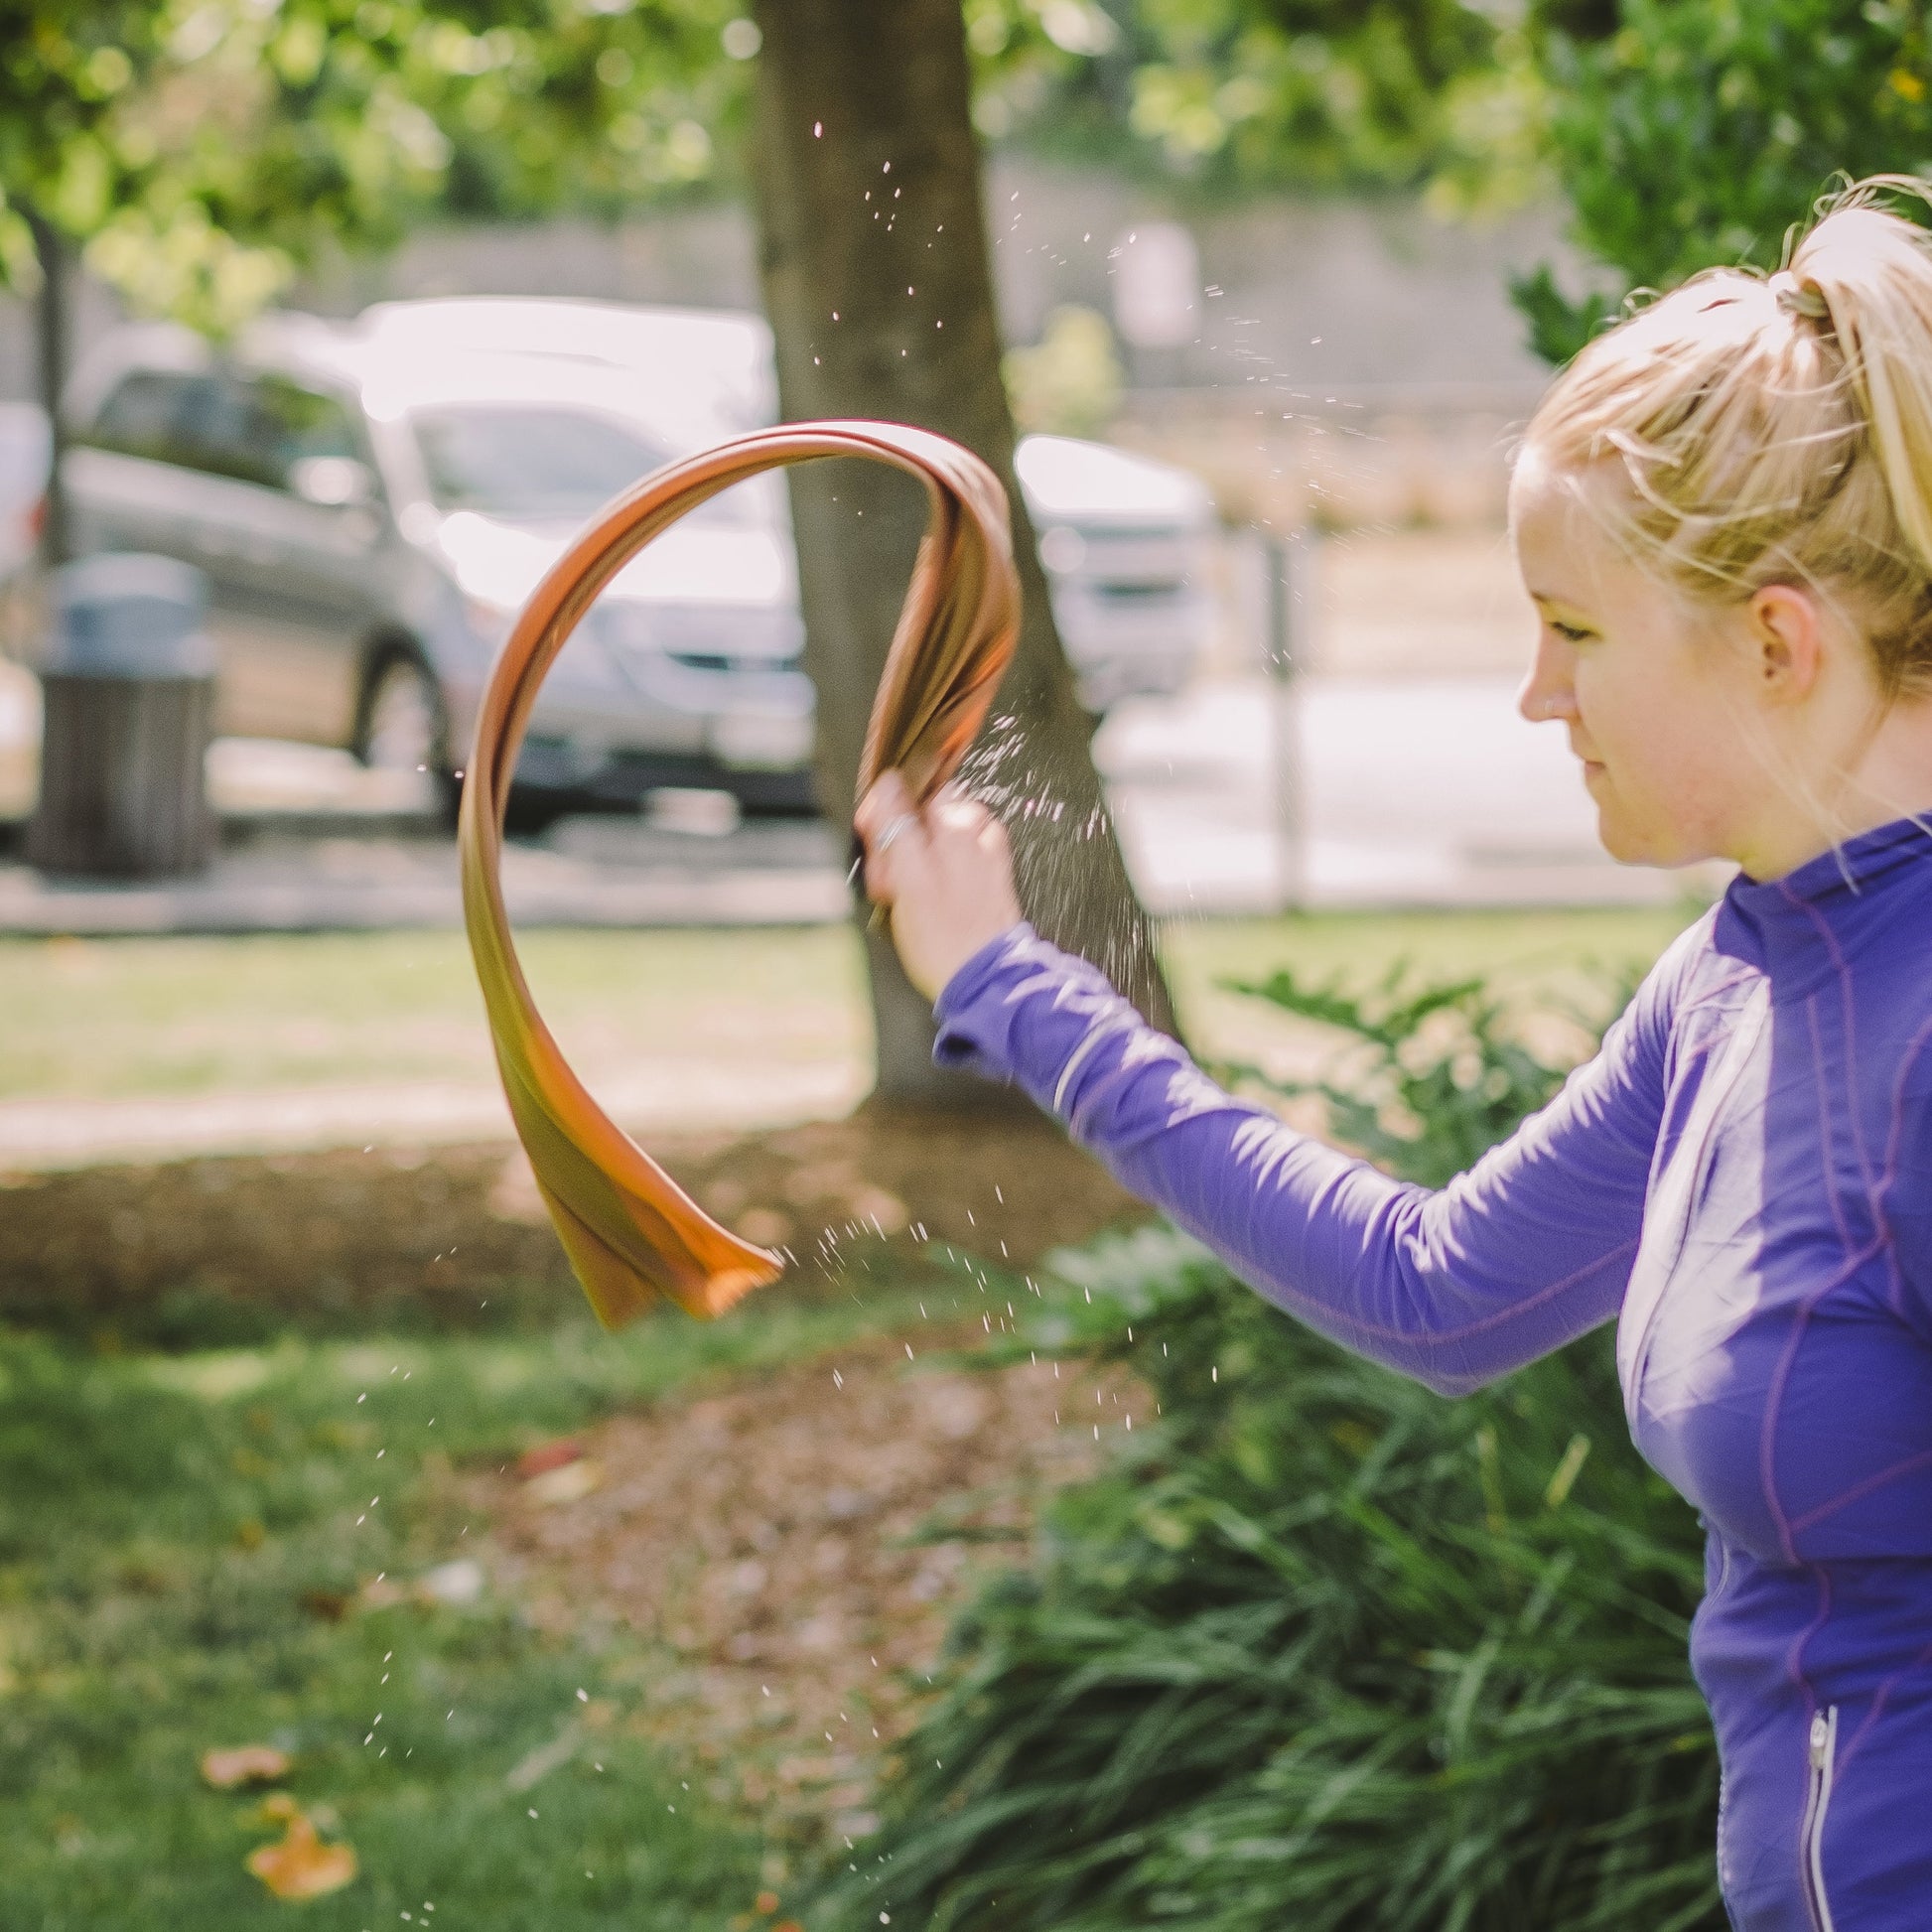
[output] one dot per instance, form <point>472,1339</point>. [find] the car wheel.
<point>406,729</point>
<point>531,810</point>
<point>773,794</point>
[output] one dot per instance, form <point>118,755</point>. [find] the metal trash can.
<point>128,701</point>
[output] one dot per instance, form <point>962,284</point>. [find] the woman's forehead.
<point>1565,552</point>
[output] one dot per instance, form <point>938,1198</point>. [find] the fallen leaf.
<point>298,1864</point>
<point>229,1771</point>
<point>569,1484</point>
<point>765,1228</point>
<point>514,1196</point>
<point>877,1205</point>
<point>458,1582</point>
<point>546,1456</point>
<point>766,1901</point>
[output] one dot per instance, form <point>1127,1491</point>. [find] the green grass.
<point>173,1536</point>
<point>90,1016</point>
<point>187,1016</point>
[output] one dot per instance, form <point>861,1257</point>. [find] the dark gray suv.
<point>371,510</point>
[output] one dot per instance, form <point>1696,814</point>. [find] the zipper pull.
<point>1820,1733</point>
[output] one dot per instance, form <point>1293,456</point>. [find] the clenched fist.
<point>945,872</point>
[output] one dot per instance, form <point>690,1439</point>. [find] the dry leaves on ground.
<point>230,1770</point>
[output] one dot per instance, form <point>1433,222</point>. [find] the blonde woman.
<point>1722,512</point>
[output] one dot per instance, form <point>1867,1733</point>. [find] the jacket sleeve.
<point>1529,1249</point>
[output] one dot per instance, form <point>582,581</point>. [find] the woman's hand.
<point>946,874</point>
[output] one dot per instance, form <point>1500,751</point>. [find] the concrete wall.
<point>1396,296</point>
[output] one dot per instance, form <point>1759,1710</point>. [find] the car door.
<point>135,482</point>
<point>198,465</point>
<point>295,582</point>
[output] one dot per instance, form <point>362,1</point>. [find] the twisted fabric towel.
<point>630,1232</point>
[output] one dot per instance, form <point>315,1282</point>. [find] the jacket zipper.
<point>1818,1798</point>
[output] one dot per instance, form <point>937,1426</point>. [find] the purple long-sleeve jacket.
<point>1742,1177</point>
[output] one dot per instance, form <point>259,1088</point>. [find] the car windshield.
<point>536,461</point>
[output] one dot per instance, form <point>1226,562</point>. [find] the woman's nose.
<point>1548,693</point>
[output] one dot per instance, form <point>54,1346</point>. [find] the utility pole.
<point>1290,567</point>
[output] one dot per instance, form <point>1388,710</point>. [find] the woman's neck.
<point>1887,776</point>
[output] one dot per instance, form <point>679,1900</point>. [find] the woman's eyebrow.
<point>1557,597</point>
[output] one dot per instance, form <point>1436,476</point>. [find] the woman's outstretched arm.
<point>1455,1286</point>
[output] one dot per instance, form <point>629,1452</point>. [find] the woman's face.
<point>1655,700</point>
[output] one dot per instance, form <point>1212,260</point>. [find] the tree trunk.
<point>52,346</point>
<point>879,284</point>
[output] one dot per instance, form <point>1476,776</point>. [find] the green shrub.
<point>1068,383</point>
<point>1688,134</point>
<point>1320,1649</point>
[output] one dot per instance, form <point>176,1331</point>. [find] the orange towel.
<point>630,1230</point>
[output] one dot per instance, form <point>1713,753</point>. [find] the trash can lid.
<point>129,615</point>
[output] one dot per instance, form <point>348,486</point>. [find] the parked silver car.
<point>1126,542</point>
<point>371,513</point>
<point>372,501</point>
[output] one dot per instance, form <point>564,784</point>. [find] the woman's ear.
<point>1787,642</point>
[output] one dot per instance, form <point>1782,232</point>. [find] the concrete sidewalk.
<point>359,875</point>
<point>1420,792</point>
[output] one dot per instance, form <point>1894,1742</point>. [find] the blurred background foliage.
<point>208,149</point>
<point>1319,1648</point>
<point>1069,382</point>
<point>1691,133</point>
<point>1232,95</point>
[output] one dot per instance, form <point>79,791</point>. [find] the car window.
<point>292,423</point>
<point>147,415</point>
<point>256,428</point>
<point>533,462</point>
<point>252,428</point>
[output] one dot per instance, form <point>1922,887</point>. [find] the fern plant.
<point>1428,1077</point>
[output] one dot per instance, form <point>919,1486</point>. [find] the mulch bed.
<point>773,1565</point>
<point>231,1249</point>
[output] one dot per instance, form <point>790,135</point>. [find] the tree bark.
<point>52,346</point>
<point>877,281</point>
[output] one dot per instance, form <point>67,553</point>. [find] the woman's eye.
<point>1572,633</point>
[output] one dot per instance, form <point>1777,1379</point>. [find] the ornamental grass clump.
<point>1321,1649</point>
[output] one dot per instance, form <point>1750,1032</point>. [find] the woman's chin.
<point>1634,845</point>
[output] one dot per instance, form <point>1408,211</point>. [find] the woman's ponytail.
<point>1874,272</point>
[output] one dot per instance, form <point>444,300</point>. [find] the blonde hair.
<point>1777,429</point>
